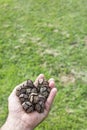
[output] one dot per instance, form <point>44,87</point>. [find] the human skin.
<point>18,119</point>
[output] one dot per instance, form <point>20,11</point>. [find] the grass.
<point>47,37</point>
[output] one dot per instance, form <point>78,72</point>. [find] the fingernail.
<point>51,79</point>
<point>41,75</point>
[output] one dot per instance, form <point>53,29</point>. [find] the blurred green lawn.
<point>50,37</point>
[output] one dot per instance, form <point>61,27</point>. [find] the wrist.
<point>14,124</point>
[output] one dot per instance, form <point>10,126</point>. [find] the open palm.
<point>30,120</point>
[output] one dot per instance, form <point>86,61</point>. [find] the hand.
<point>19,119</point>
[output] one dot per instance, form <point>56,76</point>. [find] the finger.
<point>51,79</point>
<point>51,83</point>
<point>41,76</point>
<point>50,99</point>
